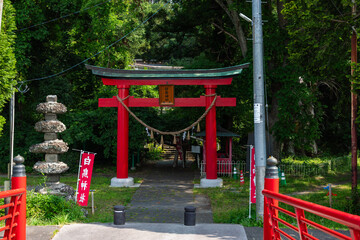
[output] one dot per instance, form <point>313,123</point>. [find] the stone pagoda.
<point>52,147</point>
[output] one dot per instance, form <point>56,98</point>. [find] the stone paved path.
<point>163,195</point>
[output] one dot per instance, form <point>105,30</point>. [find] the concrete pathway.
<point>41,232</point>
<point>161,231</point>
<point>151,231</point>
<point>163,195</point>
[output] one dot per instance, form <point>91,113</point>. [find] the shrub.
<point>51,210</point>
<point>154,152</point>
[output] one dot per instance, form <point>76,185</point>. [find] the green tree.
<point>7,57</point>
<point>212,33</point>
<point>319,42</point>
<point>47,49</point>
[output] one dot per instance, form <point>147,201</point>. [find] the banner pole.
<point>78,178</point>
<point>74,149</point>
<point>250,181</point>
<point>330,195</point>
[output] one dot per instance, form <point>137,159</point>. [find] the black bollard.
<point>119,215</point>
<point>190,216</point>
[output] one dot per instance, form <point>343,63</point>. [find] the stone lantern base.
<point>59,189</point>
<point>52,170</point>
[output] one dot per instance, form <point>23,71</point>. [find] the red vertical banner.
<point>252,176</point>
<point>87,163</point>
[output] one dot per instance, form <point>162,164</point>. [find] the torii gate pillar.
<point>122,179</point>
<point>211,179</point>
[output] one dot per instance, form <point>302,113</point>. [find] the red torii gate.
<point>123,79</point>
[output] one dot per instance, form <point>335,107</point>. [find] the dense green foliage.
<point>7,56</point>
<point>319,42</point>
<point>50,48</point>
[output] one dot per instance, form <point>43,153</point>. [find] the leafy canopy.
<point>7,57</point>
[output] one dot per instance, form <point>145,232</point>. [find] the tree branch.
<point>222,5</point>
<point>340,21</point>
<point>223,30</point>
<point>235,19</point>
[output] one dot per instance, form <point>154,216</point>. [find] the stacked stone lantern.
<point>52,147</point>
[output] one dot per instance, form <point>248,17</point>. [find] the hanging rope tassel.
<point>188,136</point>
<point>162,140</point>
<point>198,127</point>
<point>174,141</point>
<point>152,134</point>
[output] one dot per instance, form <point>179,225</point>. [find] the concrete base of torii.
<point>123,182</point>
<point>210,183</point>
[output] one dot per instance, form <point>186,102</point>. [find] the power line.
<point>65,16</point>
<point>337,8</point>
<point>109,46</point>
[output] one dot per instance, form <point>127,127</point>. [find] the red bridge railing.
<point>300,206</point>
<point>12,218</point>
<point>271,209</point>
<point>15,218</point>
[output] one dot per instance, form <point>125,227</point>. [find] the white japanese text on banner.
<point>87,163</point>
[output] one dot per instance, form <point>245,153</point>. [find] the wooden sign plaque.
<point>166,95</point>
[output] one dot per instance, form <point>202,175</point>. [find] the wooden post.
<point>230,149</point>
<point>6,200</point>
<point>211,155</point>
<point>330,195</point>
<point>92,202</point>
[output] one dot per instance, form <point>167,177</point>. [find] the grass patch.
<point>54,233</point>
<point>51,210</point>
<point>312,183</point>
<point>54,210</point>
<point>105,197</point>
<point>341,202</point>
<point>230,204</point>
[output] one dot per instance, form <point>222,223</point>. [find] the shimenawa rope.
<point>168,133</point>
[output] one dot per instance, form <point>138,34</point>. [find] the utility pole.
<point>12,112</point>
<point>12,123</point>
<point>354,99</point>
<point>7,182</point>
<point>259,110</point>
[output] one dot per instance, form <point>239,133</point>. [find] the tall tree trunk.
<point>279,8</point>
<point>235,19</point>
<point>277,146</point>
<point>273,118</point>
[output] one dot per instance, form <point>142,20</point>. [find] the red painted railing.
<point>15,219</point>
<point>271,224</point>
<point>12,219</point>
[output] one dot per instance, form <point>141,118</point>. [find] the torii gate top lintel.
<point>219,76</point>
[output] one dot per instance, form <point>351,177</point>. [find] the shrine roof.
<point>167,74</point>
<point>220,132</point>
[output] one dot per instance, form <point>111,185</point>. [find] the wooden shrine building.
<point>166,80</point>
<point>224,156</point>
